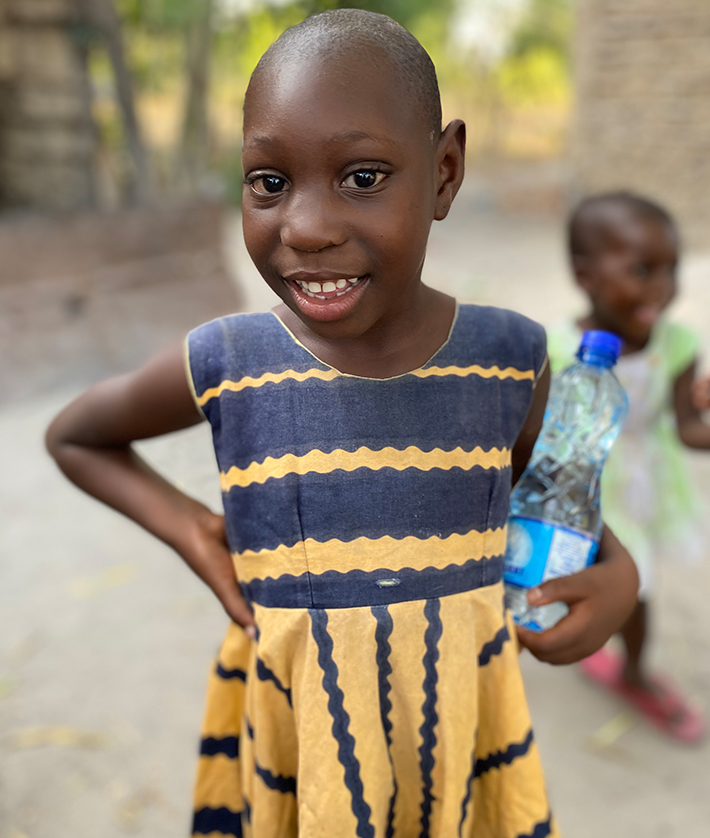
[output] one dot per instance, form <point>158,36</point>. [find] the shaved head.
<point>376,38</point>
<point>595,219</point>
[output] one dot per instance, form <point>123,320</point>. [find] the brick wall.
<point>643,103</point>
<point>46,134</point>
<point>84,295</point>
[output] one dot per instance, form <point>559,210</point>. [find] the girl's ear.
<point>450,162</point>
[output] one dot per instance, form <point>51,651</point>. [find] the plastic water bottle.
<point>555,521</point>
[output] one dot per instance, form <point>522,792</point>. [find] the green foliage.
<point>262,26</point>
<point>406,12</point>
<point>158,15</point>
<point>537,77</point>
<point>531,78</point>
<point>546,24</point>
<point>174,14</point>
<point>535,71</point>
<point>259,30</point>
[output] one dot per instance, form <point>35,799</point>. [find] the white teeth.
<point>315,290</point>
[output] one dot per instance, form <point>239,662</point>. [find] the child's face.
<point>340,191</point>
<point>631,279</point>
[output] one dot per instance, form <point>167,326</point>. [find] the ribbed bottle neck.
<point>595,358</point>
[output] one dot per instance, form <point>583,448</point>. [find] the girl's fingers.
<point>238,609</point>
<point>569,589</point>
<point>212,562</point>
<point>567,642</point>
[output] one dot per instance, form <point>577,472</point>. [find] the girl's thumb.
<point>554,590</point>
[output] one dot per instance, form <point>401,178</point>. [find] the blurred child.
<point>624,251</point>
<point>366,431</point>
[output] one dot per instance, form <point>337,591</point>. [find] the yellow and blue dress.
<point>382,697</point>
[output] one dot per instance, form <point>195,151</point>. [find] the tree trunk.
<point>195,129</point>
<point>104,16</point>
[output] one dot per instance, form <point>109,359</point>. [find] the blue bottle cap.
<point>600,348</point>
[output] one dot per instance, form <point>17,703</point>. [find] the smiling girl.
<point>624,251</point>
<point>367,432</point>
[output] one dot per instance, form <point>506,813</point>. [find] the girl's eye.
<point>267,184</point>
<point>364,179</point>
<point>640,270</point>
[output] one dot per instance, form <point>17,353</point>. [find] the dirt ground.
<point>106,639</point>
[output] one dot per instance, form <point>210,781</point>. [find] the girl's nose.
<point>310,224</point>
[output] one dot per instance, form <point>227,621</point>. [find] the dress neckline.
<point>454,321</point>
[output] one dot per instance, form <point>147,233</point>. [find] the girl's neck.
<point>392,347</point>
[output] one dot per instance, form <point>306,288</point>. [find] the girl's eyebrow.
<point>355,136</point>
<point>262,140</point>
<point>259,140</point>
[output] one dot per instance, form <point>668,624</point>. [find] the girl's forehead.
<point>349,96</point>
<point>651,234</point>
<point>632,233</point>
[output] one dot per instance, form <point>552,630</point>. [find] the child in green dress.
<point>367,432</point>
<point>624,251</point>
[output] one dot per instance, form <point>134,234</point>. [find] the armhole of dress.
<point>545,364</point>
<point>190,380</point>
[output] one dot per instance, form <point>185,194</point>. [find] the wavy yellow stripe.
<point>475,369</point>
<point>328,375</point>
<point>266,378</point>
<point>323,463</point>
<point>217,784</point>
<point>368,554</point>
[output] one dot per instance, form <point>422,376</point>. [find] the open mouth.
<point>328,290</point>
<point>327,299</point>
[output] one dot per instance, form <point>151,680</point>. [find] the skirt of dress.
<point>400,720</point>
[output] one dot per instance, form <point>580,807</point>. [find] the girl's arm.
<point>524,444</point>
<point>690,396</point>
<point>600,598</point>
<point>91,442</point>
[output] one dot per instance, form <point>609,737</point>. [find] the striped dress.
<point>367,518</point>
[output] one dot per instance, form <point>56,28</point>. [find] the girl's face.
<point>340,191</point>
<point>632,278</point>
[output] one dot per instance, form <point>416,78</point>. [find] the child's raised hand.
<point>700,392</point>
<point>600,599</point>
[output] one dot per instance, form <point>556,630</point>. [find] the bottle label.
<point>538,551</point>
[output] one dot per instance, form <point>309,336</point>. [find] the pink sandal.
<point>665,707</point>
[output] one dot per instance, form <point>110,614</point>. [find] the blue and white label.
<point>538,551</point>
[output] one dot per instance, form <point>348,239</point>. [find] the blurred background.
<point>120,230</point>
